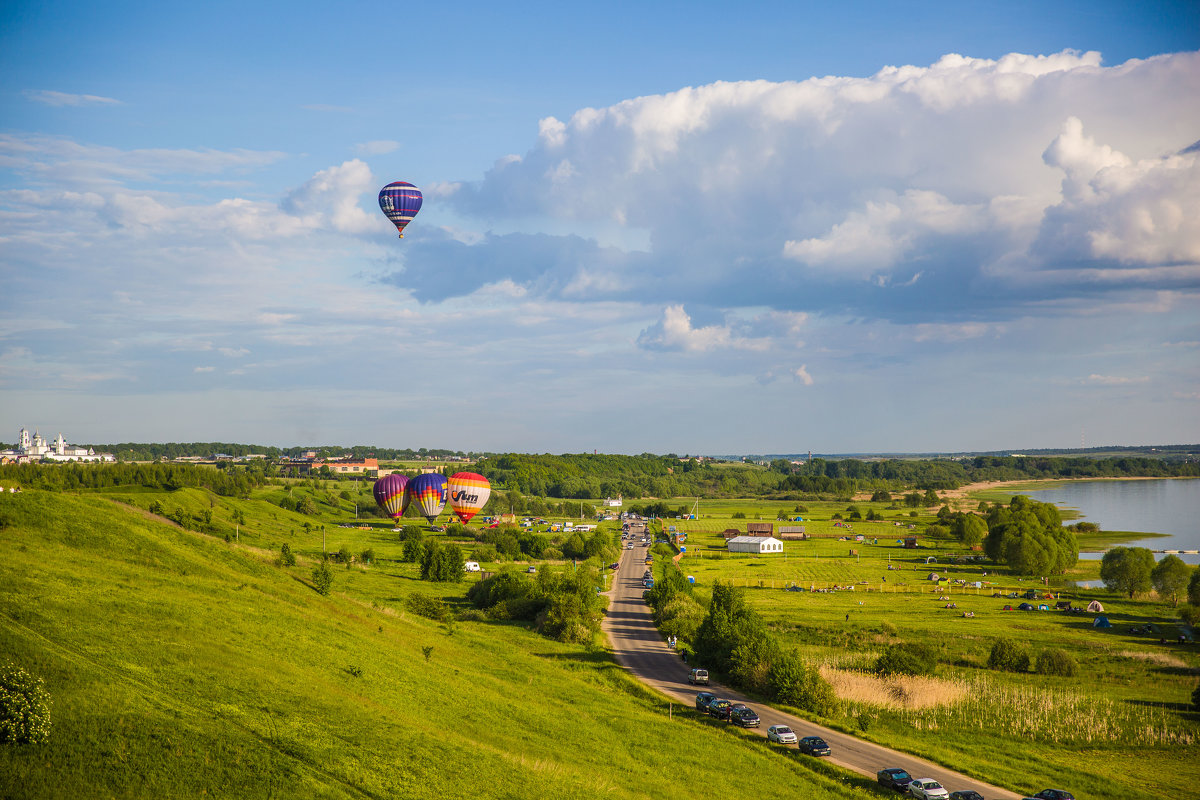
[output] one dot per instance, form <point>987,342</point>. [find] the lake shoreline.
<point>1099,542</point>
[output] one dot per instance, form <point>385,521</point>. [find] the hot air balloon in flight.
<point>400,202</point>
<point>390,495</point>
<point>428,492</point>
<point>468,493</point>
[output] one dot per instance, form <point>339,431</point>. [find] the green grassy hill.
<point>182,666</point>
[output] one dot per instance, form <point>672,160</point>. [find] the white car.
<point>927,788</point>
<point>782,734</point>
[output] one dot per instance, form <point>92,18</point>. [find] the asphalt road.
<point>639,648</point>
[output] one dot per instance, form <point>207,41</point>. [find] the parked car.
<point>698,676</point>
<point>703,699</point>
<point>782,734</point>
<point>746,717</point>
<point>894,778</point>
<point>813,746</point>
<point>927,789</point>
<point>1054,794</point>
<point>721,709</point>
<point>531,570</point>
<point>614,565</point>
<point>966,795</point>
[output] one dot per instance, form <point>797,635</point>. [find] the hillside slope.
<point>181,666</point>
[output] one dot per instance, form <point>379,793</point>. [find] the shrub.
<point>286,557</point>
<point>322,578</point>
<point>428,607</point>
<point>1008,656</point>
<point>367,556</point>
<point>1196,698</point>
<point>1190,615</point>
<point>1056,661</point>
<point>739,515</point>
<point>24,707</point>
<point>793,682</point>
<point>887,627</point>
<point>907,659</point>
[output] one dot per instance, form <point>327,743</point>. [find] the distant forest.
<point>587,476</point>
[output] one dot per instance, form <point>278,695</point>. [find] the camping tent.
<point>1101,622</point>
<point>1025,607</point>
<point>933,576</point>
<point>1094,607</point>
<point>931,560</point>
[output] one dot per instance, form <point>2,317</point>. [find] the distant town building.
<point>612,503</point>
<point>31,448</point>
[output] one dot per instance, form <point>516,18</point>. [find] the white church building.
<point>36,448</point>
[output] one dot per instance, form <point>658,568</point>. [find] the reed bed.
<point>1158,659</point>
<point>981,704</point>
<point>895,693</point>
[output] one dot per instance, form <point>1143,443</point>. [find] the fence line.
<point>899,588</point>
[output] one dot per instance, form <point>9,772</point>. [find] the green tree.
<point>322,578</point>
<point>286,557</point>
<point>307,506</point>
<point>969,529</point>
<point>1170,577</point>
<point>24,707</point>
<point>1193,589</point>
<point>1127,570</point>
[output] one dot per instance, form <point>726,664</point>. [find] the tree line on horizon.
<point>519,478</point>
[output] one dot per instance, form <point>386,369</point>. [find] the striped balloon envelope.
<point>468,494</point>
<point>390,495</point>
<point>400,202</point>
<point>428,492</point>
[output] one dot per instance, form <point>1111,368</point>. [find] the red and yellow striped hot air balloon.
<point>468,494</point>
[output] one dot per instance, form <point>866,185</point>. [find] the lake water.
<point>1170,507</point>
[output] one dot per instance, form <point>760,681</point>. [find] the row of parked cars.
<point>892,778</point>
<point>737,713</point>
<point>929,789</point>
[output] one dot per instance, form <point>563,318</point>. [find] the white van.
<point>471,566</point>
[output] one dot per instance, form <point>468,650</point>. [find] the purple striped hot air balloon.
<point>400,201</point>
<point>390,495</point>
<point>428,492</point>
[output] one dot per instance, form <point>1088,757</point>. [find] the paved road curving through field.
<point>639,648</point>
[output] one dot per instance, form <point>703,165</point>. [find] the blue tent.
<point>1101,622</point>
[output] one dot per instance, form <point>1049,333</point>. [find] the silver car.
<point>782,734</point>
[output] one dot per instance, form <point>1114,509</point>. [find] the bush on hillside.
<point>1196,698</point>
<point>428,607</point>
<point>795,683</point>
<point>1008,656</point>
<point>24,708</point>
<point>322,578</point>
<point>286,557</point>
<point>1056,661</point>
<point>907,658</point>
<point>1190,615</point>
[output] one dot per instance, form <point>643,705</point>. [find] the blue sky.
<point>687,228</point>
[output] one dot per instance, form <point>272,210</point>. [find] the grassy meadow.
<point>179,665</point>
<point>1121,727</point>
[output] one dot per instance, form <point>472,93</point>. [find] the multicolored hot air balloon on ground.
<point>468,494</point>
<point>400,202</point>
<point>428,492</point>
<point>390,495</point>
